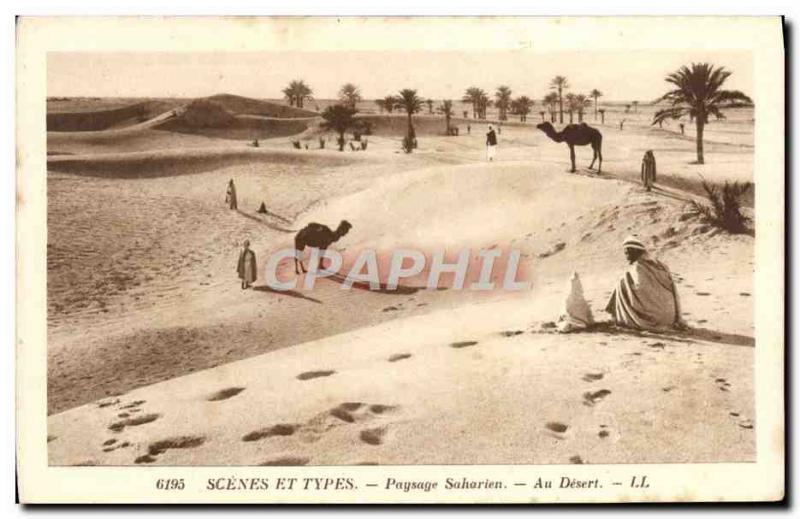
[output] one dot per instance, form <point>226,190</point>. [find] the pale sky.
<point>626,76</point>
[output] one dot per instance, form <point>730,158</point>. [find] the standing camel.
<point>318,236</point>
<point>577,135</point>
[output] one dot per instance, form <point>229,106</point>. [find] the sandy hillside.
<point>147,322</point>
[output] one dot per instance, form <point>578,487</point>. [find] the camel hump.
<point>315,227</point>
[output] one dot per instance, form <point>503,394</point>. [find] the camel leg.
<point>594,157</point>
<point>600,160</point>
<point>572,158</point>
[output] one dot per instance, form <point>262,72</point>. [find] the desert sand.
<point>156,356</point>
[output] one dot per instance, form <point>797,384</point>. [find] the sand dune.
<point>142,295</point>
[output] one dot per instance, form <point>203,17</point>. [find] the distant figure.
<point>247,266</point>
<point>621,123</point>
<point>318,236</point>
<point>648,169</point>
<point>645,297</point>
<point>262,209</point>
<point>681,128</point>
<point>469,129</point>
<point>500,129</point>
<point>230,196</point>
<point>491,144</point>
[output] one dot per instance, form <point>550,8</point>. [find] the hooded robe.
<point>646,297</point>
<point>247,266</point>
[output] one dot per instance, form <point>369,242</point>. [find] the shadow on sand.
<point>687,336</point>
<point>290,293</point>
<point>401,290</point>
<point>259,220</point>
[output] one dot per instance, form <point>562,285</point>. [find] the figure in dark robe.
<point>230,196</point>
<point>247,266</point>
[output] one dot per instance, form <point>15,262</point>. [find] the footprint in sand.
<point>399,356</point>
<point>702,293</point>
<point>308,375</point>
<point>162,446</point>
<point>744,294</point>
<point>592,377</point>
<point>556,429</point>
<point>51,438</point>
<point>576,460</point>
<point>281,429</point>
<point>374,436</point>
<point>225,394</point>
<point>511,333</point>
<point>107,403</point>
<point>132,422</point>
<point>463,344</point>
<point>133,404</point>
<point>390,309</point>
<point>286,461</point>
<point>746,424</point>
<point>122,445</point>
<point>590,398</point>
<point>345,411</point>
<point>603,432</point>
<point>722,384</point>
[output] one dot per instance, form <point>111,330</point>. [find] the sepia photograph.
<point>307,256</point>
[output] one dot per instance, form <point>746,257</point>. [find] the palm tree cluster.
<point>698,93</point>
<point>480,101</point>
<point>297,92</point>
<point>349,94</point>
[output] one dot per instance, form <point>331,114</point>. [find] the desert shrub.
<point>724,207</point>
<point>255,143</point>
<point>364,144</point>
<point>321,143</point>
<point>296,144</point>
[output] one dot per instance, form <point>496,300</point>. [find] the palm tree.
<point>635,105</point>
<point>522,107</point>
<point>350,94</point>
<point>447,110</point>
<point>409,101</point>
<point>339,118</point>
<point>389,102</point>
<point>602,115</point>
<point>472,95</point>
<point>381,105</point>
<point>429,102</point>
<point>581,104</point>
<point>698,93</point>
<point>297,92</point>
<point>483,103</point>
<point>559,83</point>
<point>502,100</point>
<point>627,108</point>
<point>571,105</point>
<point>550,100</point>
<point>595,94</point>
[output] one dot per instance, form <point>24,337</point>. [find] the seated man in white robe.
<point>645,297</point>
